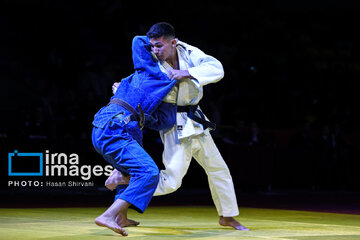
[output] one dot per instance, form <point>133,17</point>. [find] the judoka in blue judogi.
<point>117,133</point>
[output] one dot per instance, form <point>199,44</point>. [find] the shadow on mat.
<point>189,232</point>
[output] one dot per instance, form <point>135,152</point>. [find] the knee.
<point>152,169</point>
<point>153,173</point>
<point>170,183</point>
<point>177,183</point>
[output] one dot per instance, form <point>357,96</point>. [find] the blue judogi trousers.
<point>120,145</point>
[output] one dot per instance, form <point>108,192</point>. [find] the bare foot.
<point>231,222</point>
<point>111,224</point>
<point>126,222</point>
<point>116,178</point>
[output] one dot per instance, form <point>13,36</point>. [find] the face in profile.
<point>163,47</point>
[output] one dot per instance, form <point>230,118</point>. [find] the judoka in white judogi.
<point>188,138</point>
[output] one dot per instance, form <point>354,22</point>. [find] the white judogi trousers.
<point>177,156</point>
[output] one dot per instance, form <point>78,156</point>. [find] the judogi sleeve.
<point>207,69</point>
<point>163,118</point>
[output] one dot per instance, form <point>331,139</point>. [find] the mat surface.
<point>177,223</point>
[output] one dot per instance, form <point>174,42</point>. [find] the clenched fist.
<point>178,74</point>
<point>115,87</point>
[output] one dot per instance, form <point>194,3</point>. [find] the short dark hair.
<point>161,29</point>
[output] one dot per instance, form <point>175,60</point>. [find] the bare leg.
<point>232,222</point>
<point>108,218</point>
<point>116,178</point>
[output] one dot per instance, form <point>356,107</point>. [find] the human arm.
<point>206,69</point>
<point>146,66</point>
<point>164,117</point>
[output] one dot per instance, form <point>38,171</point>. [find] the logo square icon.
<point>25,164</point>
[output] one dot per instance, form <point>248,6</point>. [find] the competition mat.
<point>190,222</point>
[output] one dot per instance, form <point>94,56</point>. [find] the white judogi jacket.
<point>205,69</point>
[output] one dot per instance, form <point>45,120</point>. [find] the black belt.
<point>140,118</point>
<point>190,110</point>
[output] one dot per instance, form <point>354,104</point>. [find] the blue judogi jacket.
<point>147,86</point>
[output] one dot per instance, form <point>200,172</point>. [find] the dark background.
<point>291,69</point>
